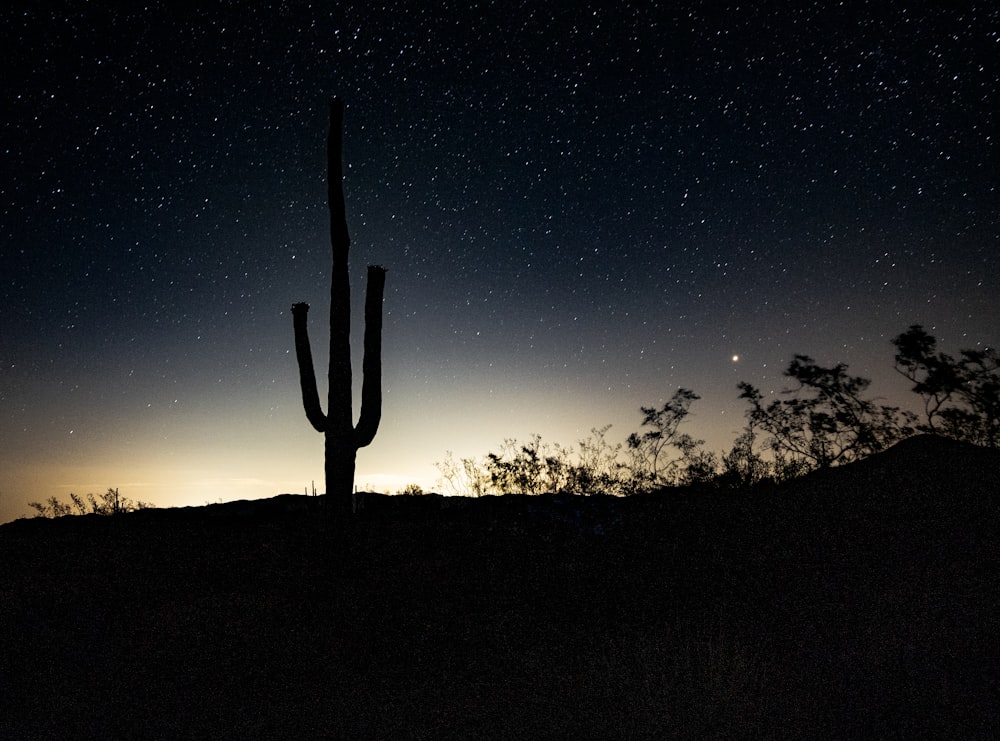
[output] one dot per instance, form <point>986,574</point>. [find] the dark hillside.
<point>857,602</point>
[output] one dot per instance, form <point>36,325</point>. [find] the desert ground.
<point>858,602</point>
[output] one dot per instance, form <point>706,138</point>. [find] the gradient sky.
<point>581,206</point>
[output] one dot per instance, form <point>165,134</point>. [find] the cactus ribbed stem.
<point>342,438</point>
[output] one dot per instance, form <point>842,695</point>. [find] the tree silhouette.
<point>827,421</point>
<point>342,437</point>
<point>961,395</point>
<point>650,445</point>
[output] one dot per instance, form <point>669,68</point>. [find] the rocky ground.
<point>858,602</point>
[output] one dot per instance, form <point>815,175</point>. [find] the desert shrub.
<point>699,467</point>
<point>825,421</point>
<point>595,467</point>
<point>961,395</point>
<point>650,449</point>
<point>523,468</point>
<point>52,507</point>
<point>109,503</point>
<point>465,477</point>
<point>743,467</point>
<point>600,470</point>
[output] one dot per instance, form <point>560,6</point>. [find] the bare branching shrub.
<point>699,467</point>
<point>961,395</point>
<point>109,503</point>
<point>519,468</point>
<point>465,477</point>
<point>599,468</point>
<point>825,420</point>
<point>743,466</point>
<point>651,448</point>
<point>595,467</point>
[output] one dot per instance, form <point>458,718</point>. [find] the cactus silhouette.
<point>343,438</point>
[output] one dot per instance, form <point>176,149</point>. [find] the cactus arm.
<point>371,386</point>
<point>307,376</point>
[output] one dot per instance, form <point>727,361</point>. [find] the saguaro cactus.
<point>343,438</point>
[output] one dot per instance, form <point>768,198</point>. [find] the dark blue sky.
<point>582,206</point>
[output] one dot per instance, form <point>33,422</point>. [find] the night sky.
<point>582,206</point>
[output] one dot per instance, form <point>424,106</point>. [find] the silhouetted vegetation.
<point>825,419</point>
<point>743,467</point>
<point>109,503</point>
<point>594,467</point>
<point>342,437</point>
<point>654,466</point>
<point>961,395</point>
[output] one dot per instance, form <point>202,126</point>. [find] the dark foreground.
<point>858,603</point>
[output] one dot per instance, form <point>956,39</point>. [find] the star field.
<point>581,206</point>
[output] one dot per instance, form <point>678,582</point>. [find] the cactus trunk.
<point>343,438</point>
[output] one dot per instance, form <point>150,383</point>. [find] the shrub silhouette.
<point>596,467</point>
<point>961,395</point>
<point>742,466</point>
<point>109,503</point>
<point>342,437</point>
<point>537,467</point>
<point>827,421</point>
<point>649,446</point>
